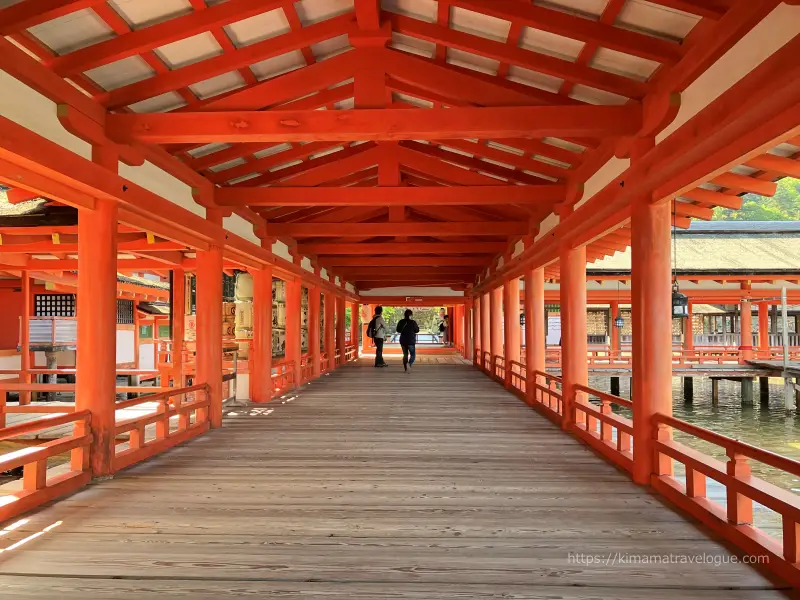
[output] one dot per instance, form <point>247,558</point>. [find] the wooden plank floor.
<point>370,484</point>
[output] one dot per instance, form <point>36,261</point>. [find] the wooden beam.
<point>141,40</point>
<point>368,230</point>
<point>575,27</point>
<point>377,124</point>
<point>228,61</point>
<point>390,196</point>
<point>746,184</point>
<point>779,164</point>
<point>402,249</point>
<point>27,14</point>
<point>535,61</point>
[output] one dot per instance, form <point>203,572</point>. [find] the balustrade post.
<point>740,507</point>
<point>688,330</point>
<point>574,362</point>
<point>512,328</point>
<point>209,322</point>
<point>97,320</point>
<point>652,330</point>
<point>261,388</point>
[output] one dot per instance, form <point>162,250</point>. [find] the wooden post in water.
<point>688,389</point>
<point>715,392</point>
<point>747,391</point>
<point>763,384</point>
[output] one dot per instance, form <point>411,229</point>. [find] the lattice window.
<point>124,312</point>
<point>54,305</point>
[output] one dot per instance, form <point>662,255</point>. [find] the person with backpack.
<point>376,330</point>
<point>408,330</point>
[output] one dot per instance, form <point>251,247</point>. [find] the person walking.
<point>377,331</point>
<point>408,330</point>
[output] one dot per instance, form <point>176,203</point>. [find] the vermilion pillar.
<point>354,325</point>
<point>652,330</point>
<point>535,334</point>
<point>177,312</point>
<point>25,337</point>
<point>451,325</point>
<point>209,322</point>
<point>97,320</point>
<point>330,329</point>
<point>495,325</point>
<point>366,317</point>
<point>341,327</point>
<point>613,332</point>
<point>294,295</point>
<point>261,376</point>
<point>574,364</point>
<point>746,333</point>
<point>485,326</point>
<point>512,341</point>
<point>763,325</point>
<point>313,329</point>
<point>476,330</point>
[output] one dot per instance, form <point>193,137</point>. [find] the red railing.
<point>283,377</point>
<point>324,366</point>
<point>547,394</point>
<point>487,363</point>
<point>499,368</point>
<point>337,357</point>
<point>349,353</point>
<point>734,521</point>
<point>608,433</point>
<point>180,415</point>
<point>519,378</point>
<point>37,486</point>
<point>306,367</point>
<point>604,358</point>
<point>611,435</point>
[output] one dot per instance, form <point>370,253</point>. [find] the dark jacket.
<point>408,330</point>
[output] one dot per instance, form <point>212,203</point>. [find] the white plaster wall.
<point>241,227</point>
<point>547,225</point>
<point>146,357</point>
<point>10,363</point>
<point>125,346</point>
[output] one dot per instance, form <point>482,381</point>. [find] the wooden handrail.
<point>13,431</point>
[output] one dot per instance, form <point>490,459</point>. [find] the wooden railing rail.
<point>37,486</point>
<point>547,394</point>
<point>499,368</point>
<point>734,521</point>
<point>190,406</point>
<point>608,433</point>
<point>283,378</point>
<point>349,352</point>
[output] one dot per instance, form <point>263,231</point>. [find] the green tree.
<point>784,206</point>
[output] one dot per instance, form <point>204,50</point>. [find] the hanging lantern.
<point>680,303</point>
<point>619,322</point>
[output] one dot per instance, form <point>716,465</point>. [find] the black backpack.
<point>371,328</point>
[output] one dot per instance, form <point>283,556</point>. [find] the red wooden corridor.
<point>203,202</point>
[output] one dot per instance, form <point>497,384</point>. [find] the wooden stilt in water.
<point>747,391</point>
<point>615,386</point>
<point>763,385</point>
<point>715,392</point>
<point>688,389</point>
